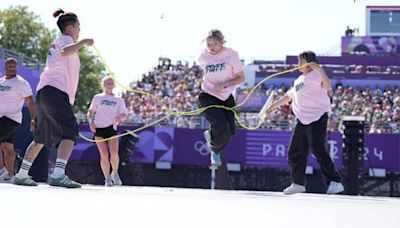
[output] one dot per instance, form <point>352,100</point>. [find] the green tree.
<point>22,31</point>
<point>92,70</point>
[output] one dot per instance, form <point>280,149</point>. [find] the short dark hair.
<point>64,19</point>
<point>10,60</point>
<point>309,56</point>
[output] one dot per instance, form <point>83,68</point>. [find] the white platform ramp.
<point>138,207</point>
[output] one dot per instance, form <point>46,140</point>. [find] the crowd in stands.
<point>178,85</point>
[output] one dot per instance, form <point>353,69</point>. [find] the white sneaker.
<point>334,188</point>
<point>116,180</point>
<point>6,178</point>
<point>294,188</point>
<point>108,182</point>
<point>3,174</point>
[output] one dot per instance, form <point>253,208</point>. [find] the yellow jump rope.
<point>188,113</point>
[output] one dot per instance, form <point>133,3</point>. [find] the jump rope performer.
<point>56,122</point>
<point>105,113</point>
<point>222,74</point>
<point>14,92</point>
<point>310,105</point>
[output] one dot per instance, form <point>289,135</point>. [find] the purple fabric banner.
<point>270,148</point>
<point>389,45</point>
<point>260,148</point>
<point>254,103</point>
<point>345,79</point>
<point>351,59</point>
<point>382,151</point>
<point>191,148</point>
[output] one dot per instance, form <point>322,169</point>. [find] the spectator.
<point>349,31</point>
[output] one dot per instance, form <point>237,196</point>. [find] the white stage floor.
<point>117,207</point>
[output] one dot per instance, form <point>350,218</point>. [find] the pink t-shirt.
<point>309,99</point>
<point>219,68</point>
<point>61,72</point>
<point>12,95</point>
<point>106,108</point>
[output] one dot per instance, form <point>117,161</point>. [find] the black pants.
<point>55,118</point>
<point>105,132</point>
<point>222,122</point>
<point>8,127</point>
<point>305,137</point>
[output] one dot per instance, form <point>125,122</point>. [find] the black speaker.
<point>353,152</point>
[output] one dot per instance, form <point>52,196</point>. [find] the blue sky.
<point>131,34</point>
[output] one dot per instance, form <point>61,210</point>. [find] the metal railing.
<point>21,58</point>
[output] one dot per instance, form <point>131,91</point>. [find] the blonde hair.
<point>215,34</point>
<point>103,80</point>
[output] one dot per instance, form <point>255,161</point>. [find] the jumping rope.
<point>177,113</point>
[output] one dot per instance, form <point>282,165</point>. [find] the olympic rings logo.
<point>201,147</point>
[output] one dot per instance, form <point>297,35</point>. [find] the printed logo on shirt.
<point>52,47</point>
<point>5,88</point>
<point>299,86</point>
<point>108,103</point>
<point>215,68</point>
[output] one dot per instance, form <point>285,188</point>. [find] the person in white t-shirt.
<point>14,92</point>
<point>56,122</point>
<point>311,105</point>
<point>222,74</point>
<point>105,113</point>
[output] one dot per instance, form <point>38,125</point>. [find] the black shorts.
<point>105,132</point>
<point>8,127</point>
<point>55,118</point>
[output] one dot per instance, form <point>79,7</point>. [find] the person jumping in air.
<point>222,74</point>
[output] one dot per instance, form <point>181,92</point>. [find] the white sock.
<point>59,168</point>
<point>25,167</point>
<point>2,170</point>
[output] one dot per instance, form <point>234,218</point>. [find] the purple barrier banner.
<point>84,150</point>
<point>254,103</point>
<point>382,151</point>
<point>270,149</point>
<point>191,147</point>
<point>377,60</point>
<point>389,45</point>
<point>345,79</point>
<point>260,148</point>
<point>155,144</point>
<point>333,74</point>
